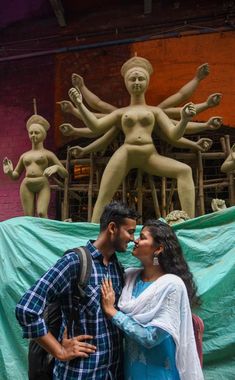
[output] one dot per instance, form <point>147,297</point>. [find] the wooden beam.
<point>59,11</point>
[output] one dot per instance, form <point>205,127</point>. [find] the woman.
<point>154,310</point>
<point>39,164</point>
<point>138,121</point>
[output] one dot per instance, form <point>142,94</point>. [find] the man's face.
<point>124,234</point>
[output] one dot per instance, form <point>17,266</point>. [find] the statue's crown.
<point>137,62</point>
<point>37,119</point>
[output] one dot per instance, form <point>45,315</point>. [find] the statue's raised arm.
<point>91,121</point>
<point>92,100</point>
<point>184,93</point>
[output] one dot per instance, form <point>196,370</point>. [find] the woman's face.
<point>144,246</point>
<point>36,133</point>
<point>136,81</point>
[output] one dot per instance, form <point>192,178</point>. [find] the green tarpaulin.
<point>28,246</point>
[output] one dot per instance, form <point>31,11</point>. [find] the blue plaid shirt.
<point>59,281</point>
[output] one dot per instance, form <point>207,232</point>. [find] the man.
<point>100,359</point>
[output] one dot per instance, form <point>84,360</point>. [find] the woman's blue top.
<point>149,351</point>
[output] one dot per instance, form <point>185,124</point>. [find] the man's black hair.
<point>116,212</point>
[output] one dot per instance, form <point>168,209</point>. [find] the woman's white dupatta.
<point>165,304</point>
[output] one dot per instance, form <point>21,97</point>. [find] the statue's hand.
<point>218,204</point>
<point>76,96</point>
<point>214,122</point>
<point>66,129</point>
<point>214,100</point>
<point>48,172</point>
<point>77,81</point>
<point>202,71</point>
<point>7,166</point>
<point>188,111</point>
<point>66,106</point>
<point>76,151</point>
<point>204,144</point>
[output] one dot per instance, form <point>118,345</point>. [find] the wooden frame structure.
<point>138,187</point>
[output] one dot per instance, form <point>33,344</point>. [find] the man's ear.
<point>112,228</point>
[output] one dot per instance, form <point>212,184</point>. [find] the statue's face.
<point>36,133</point>
<point>136,81</point>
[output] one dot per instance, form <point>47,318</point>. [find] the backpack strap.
<point>84,274</point>
<point>85,269</point>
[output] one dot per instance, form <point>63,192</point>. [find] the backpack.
<point>40,362</point>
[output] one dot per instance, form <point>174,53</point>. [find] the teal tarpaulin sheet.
<point>29,246</point>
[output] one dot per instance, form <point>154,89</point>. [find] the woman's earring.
<point>155,259</point>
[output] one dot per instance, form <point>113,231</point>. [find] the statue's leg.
<point>113,175</point>
<point>43,201</point>
<point>167,167</point>
<point>27,200</point>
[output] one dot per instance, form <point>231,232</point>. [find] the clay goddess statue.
<point>137,121</point>
<point>39,164</point>
<point>169,106</point>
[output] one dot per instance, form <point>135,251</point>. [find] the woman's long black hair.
<point>171,259</point>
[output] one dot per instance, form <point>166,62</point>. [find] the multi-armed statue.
<point>39,164</point>
<point>138,122</point>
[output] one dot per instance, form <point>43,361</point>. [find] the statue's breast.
<point>38,159</point>
<point>143,118</point>
<point>41,160</point>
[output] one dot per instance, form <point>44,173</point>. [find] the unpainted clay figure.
<point>176,216</point>
<point>168,106</point>
<point>39,164</point>
<point>137,121</point>
<point>218,204</point>
<point>229,164</point>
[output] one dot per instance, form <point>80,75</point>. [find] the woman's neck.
<point>151,273</point>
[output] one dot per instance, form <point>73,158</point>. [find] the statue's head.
<point>137,63</point>
<point>37,119</point>
<point>37,128</point>
<point>136,72</point>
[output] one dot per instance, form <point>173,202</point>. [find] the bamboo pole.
<point>200,184</point>
<point>35,106</point>
<point>163,193</point>
<point>216,185</point>
<point>140,194</point>
<point>65,204</point>
<point>154,196</point>
<point>90,188</point>
<point>170,195</point>
<point>124,198</point>
<point>222,141</point>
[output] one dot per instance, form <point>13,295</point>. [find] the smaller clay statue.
<point>176,216</point>
<point>39,164</point>
<point>218,204</point>
<point>229,164</point>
